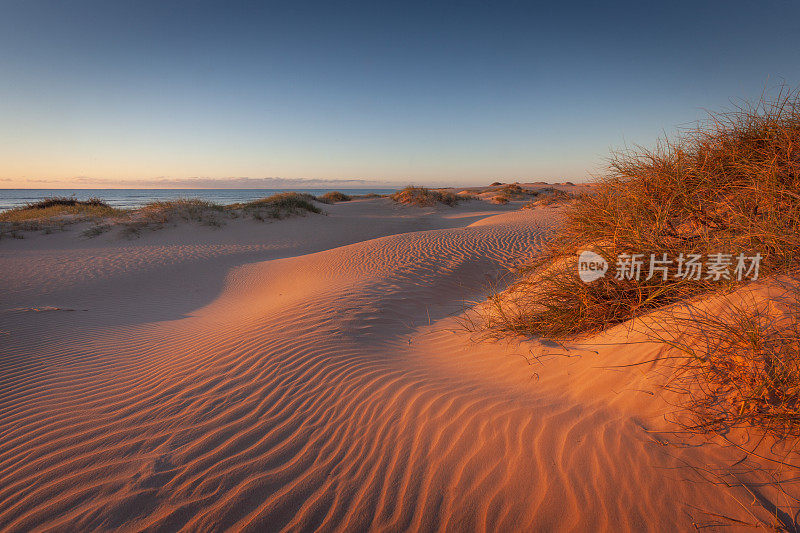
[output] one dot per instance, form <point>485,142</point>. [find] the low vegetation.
<point>52,214</point>
<point>68,207</point>
<point>334,197</point>
<point>550,197</point>
<point>187,210</point>
<point>281,205</point>
<point>729,186</point>
<point>735,362</point>
<point>514,191</point>
<point>156,215</point>
<point>64,202</point>
<point>423,197</point>
<point>57,213</point>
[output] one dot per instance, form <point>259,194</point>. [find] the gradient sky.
<point>120,93</point>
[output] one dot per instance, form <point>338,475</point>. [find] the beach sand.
<point>312,374</point>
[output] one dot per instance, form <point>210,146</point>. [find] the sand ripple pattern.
<point>298,401</point>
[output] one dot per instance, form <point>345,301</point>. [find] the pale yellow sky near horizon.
<point>215,168</point>
<point>223,183</point>
<point>83,182</point>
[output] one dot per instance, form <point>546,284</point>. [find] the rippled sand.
<point>311,374</point>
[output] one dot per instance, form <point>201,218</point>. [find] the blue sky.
<point>120,93</point>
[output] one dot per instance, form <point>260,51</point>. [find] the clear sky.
<point>126,93</point>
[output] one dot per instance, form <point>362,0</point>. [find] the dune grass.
<point>504,193</point>
<point>514,191</point>
<point>58,207</point>
<point>334,197</point>
<point>731,186</point>
<point>423,197</point>
<point>52,214</point>
<point>186,209</point>
<point>550,196</point>
<point>736,363</point>
<point>57,213</point>
<point>64,201</point>
<point>156,215</point>
<point>278,206</point>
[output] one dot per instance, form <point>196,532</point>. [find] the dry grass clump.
<point>334,197</point>
<point>56,213</point>
<point>423,197</point>
<point>500,199</point>
<point>185,209</point>
<point>551,301</point>
<point>279,206</point>
<point>550,197</point>
<point>736,364</point>
<point>729,186</point>
<point>58,207</point>
<point>64,201</point>
<point>50,214</point>
<point>513,191</point>
<point>155,215</point>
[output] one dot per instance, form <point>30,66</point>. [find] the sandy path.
<point>323,391</point>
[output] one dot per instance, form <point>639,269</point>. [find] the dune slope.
<point>327,391</point>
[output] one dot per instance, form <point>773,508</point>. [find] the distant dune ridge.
<point>313,374</point>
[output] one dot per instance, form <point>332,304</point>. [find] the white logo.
<point>591,266</point>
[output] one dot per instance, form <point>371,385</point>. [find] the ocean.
<point>125,198</point>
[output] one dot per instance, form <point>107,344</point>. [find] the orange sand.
<point>311,374</point>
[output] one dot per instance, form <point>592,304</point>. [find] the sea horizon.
<point>132,198</point>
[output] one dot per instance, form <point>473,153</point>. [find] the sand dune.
<point>304,380</point>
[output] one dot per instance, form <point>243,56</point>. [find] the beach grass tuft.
<point>334,197</point>
<point>280,205</point>
<point>424,197</point>
<point>550,196</point>
<point>57,213</point>
<point>730,185</point>
<point>53,214</point>
<point>58,207</point>
<point>514,191</point>
<point>735,363</point>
